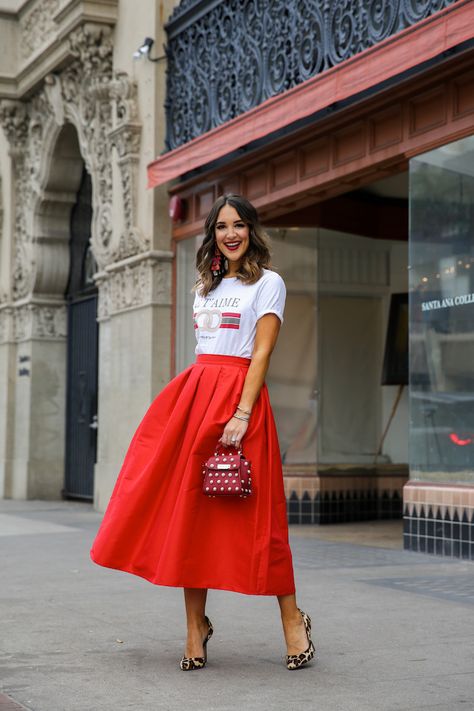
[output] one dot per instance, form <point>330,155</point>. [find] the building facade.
<point>85,258</point>
<point>350,126</point>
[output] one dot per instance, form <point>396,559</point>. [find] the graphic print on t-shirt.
<point>212,319</point>
<point>225,321</point>
<point>230,319</point>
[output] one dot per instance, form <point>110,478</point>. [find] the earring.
<point>218,265</point>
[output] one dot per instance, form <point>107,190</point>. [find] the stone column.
<point>135,332</point>
<point>38,409</point>
<point>32,338</point>
<point>7,392</point>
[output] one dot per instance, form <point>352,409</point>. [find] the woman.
<point>158,523</point>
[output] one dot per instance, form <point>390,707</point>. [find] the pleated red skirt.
<point>158,523</point>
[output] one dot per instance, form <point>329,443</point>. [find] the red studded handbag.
<point>227,474</point>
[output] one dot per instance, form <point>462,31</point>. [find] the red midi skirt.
<point>158,523</point>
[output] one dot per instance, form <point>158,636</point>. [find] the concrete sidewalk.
<point>393,629</point>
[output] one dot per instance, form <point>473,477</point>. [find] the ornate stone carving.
<point>124,93</point>
<point>50,322</point>
<point>46,322</point>
<point>33,320</point>
<point>5,324</point>
<point>86,93</point>
<point>135,282</point>
<point>41,120</point>
<point>92,45</point>
<point>227,56</point>
<point>52,89</point>
<point>37,25</point>
<point>126,137</point>
<point>3,295</point>
<point>15,122</point>
<point>103,108</point>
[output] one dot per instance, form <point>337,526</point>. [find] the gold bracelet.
<point>238,417</point>
<point>247,412</point>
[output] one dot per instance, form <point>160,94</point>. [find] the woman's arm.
<point>268,328</point>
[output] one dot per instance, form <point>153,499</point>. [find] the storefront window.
<point>292,374</point>
<point>442,313</point>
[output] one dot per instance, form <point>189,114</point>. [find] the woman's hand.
<point>233,433</point>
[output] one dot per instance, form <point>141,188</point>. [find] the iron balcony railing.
<point>227,56</point>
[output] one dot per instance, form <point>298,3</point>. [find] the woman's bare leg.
<point>195,602</point>
<point>293,626</point>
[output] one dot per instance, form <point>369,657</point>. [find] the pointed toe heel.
<point>296,661</point>
<point>190,663</point>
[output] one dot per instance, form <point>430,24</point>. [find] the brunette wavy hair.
<point>255,258</point>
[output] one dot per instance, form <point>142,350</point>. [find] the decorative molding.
<point>134,283</point>
<point>3,294</point>
<point>15,121</point>
<point>5,324</point>
<point>37,26</point>
<point>340,154</point>
<point>52,90</point>
<point>103,108</point>
<point>85,89</point>
<point>33,320</point>
<point>241,52</point>
<point>125,136</point>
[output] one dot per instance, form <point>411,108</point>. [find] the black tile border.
<point>344,506</point>
<point>432,530</point>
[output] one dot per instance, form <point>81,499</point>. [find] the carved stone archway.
<point>84,113</point>
<point>102,107</point>
<point>52,213</point>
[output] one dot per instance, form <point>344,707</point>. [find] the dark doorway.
<point>82,352</point>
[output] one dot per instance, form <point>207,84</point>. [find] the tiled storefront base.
<point>439,519</point>
<point>334,494</point>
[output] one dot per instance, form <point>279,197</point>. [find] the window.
<point>442,313</point>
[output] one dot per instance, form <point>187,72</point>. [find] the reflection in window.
<point>442,311</point>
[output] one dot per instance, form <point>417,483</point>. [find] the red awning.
<point>395,55</point>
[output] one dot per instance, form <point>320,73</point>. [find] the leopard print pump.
<point>189,663</point>
<point>296,661</point>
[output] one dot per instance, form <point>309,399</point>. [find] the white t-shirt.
<point>225,321</point>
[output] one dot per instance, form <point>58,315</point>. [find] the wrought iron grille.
<point>227,56</point>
